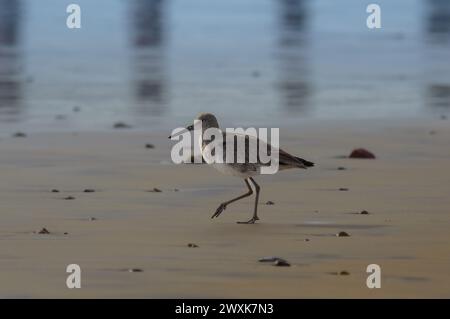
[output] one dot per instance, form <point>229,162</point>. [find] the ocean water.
<point>157,63</point>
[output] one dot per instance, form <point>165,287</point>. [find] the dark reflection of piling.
<point>11,85</point>
<point>294,78</point>
<point>148,40</point>
<point>437,42</point>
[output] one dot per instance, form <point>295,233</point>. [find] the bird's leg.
<point>222,206</point>
<point>255,211</point>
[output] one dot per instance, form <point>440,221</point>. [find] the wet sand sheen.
<point>131,242</point>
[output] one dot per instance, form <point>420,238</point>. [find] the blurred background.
<point>154,63</point>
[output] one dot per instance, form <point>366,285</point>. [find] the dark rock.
<point>55,190</point>
<point>121,125</point>
<point>364,212</point>
<point>92,219</point>
<point>281,263</point>
<point>89,190</point>
<point>361,153</point>
<point>343,189</point>
<point>270,259</point>
<point>149,146</point>
<point>66,233</point>
<point>341,168</point>
<point>269,202</point>
<point>69,198</point>
<point>134,270</point>
<point>192,245</point>
<point>342,234</point>
<point>44,231</point>
<point>154,190</point>
<point>306,239</point>
<point>344,273</point>
<point>19,134</point>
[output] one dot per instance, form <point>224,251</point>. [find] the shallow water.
<point>158,62</point>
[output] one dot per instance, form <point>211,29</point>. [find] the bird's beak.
<point>187,129</point>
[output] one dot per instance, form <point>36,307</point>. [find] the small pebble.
<point>364,212</point>
<point>343,189</point>
<point>281,263</point>
<point>176,190</point>
<point>342,234</point>
<point>361,153</point>
<point>192,245</point>
<point>44,231</point>
<point>66,233</point>
<point>135,270</point>
<point>344,273</point>
<point>269,202</point>
<point>19,134</point>
<point>155,190</point>
<point>55,190</point>
<point>92,219</point>
<point>341,168</point>
<point>149,146</point>
<point>306,239</point>
<point>270,259</point>
<point>121,125</point>
<point>89,190</point>
<point>69,198</point>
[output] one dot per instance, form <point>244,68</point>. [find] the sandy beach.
<point>124,225</point>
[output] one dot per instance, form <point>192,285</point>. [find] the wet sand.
<point>405,190</point>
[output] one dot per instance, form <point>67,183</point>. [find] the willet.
<point>245,170</point>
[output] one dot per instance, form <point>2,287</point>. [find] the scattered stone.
<point>89,190</point>
<point>149,146</point>
<point>341,168</point>
<point>121,125</point>
<point>281,263</point>
<point>344,273</point>
<point>55,190</point>
<point>134,270</point>
<point>306,239</point>
<point>343,189</point>
<point>361,153</point>
<point>66,233</point>
<point>364,212</point>
<point>342,234</point>
<point>154,190</point>
<point>270,259</point>
<point>192,245</point>
<point>44,231</point>
<point>92,219</point>
<point>269,202</point>
<point>69,198</point>
<point>19,134</point>
<point>176,190</point>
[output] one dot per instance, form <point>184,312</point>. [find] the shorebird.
<point>245,170</point>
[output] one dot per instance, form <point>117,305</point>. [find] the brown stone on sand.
<point>44,231</point>
<point>361,153</point>
<point>342,234</point>
<point>192,245</point>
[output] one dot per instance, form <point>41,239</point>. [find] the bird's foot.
<point>219,210</point>
<point>251,221</point>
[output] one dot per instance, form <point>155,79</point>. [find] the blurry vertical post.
<point>74,19</point>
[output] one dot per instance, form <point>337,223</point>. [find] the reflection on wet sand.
<point>10,61</point>
<point>294,83</point>
<point>437,32</point>
<point>148,36</point>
